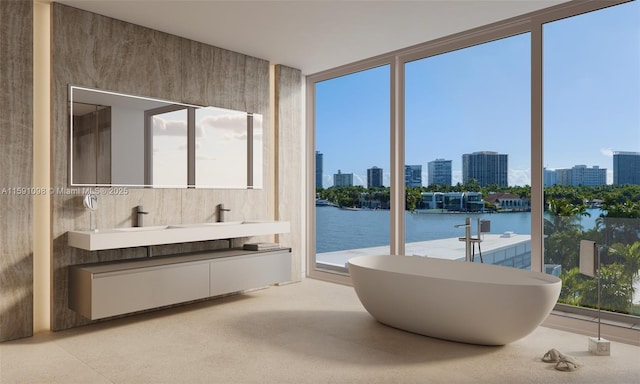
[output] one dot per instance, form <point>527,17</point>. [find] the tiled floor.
<point>308,332</point>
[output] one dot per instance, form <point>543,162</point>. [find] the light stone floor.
<point>308,332</point>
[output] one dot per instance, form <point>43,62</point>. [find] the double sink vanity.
<point>134,129</point>
<point>171,234</point>
<point>105,289</point>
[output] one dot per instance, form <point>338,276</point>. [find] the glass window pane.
<point>592,152</point>
<point>352,142</point>
<point>467,154</point>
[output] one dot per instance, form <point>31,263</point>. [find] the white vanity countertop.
<point>170,234</point>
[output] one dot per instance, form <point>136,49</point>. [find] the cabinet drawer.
<point>117,293</point>
<point>249,271</point>
<point>108,289</point>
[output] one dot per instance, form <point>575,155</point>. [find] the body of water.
<point>339,229</point>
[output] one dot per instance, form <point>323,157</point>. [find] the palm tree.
<point>630,261</point>
<point>564,215</point>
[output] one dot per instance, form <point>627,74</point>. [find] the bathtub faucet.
<point>466,238</point>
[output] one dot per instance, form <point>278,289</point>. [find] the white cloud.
<point>359,180</point>
<point>519,177</point>
<point>606,151</point>
<point>163,127</point>
<point>230,126</point>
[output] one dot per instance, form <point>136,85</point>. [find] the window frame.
<point>528,23</point>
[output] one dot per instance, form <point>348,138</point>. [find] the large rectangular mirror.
<point>133,141</point>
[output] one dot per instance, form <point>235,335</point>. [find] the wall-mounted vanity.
<point>99,290</point>
<point>119,140</point>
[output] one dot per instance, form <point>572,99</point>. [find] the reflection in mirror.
<point>256,169</point>
<point>169,144</point>
<point>134,141</point>
<point>221,139</point>
<point>92,135</point>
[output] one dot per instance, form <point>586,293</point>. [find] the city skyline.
<point>478,98</point>
<point>355,177</point>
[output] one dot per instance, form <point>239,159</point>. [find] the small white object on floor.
<point>599,346</point>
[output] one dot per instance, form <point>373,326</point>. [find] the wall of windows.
<point>591,82</point>
<point>557,92</point>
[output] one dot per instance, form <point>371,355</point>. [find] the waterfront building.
<point>319,159</point>
<point>451,201</point>
<point>342,179</point>
<point>369,200</point>
<point>486,167</point>
<point>550,177</point>
<point>563,176</point>
<point>509,202</point>
<point>431,200</point>
<point>590,177</point>
<point>374,177</point>
<point>626,168</point>
<point>439,172</point>
<point>580,175</point>
<point>473,201</point>
<point>413,175</point>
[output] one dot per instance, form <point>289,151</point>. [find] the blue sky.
<point>478,99</point>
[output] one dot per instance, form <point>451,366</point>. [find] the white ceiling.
<point>311,35</point>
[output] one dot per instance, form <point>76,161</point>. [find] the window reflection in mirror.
<point>256,169</point>
<point>92,135</point>
<point>134,141</point>
<point>168,141</point>
<point>221,140</point>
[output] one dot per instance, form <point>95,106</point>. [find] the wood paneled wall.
<point>289,131</point>
<point>16,157</point>
<point>100,52</point>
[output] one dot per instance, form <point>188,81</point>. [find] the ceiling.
<point>311,35</point>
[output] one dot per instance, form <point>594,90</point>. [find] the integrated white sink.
<point>138,229</point>
<point>171,234</point>
<point>213,224</point>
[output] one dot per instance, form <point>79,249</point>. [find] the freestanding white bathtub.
<point>453,300</point>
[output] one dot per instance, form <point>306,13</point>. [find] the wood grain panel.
<point>97,51</point>
<point>290,161</point>
<point>16,157</point>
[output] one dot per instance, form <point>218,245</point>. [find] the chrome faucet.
<point>466,238</point>
<point>220,214</point>
<point>139,212</point>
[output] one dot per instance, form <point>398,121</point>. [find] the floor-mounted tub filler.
<point>459,301</point>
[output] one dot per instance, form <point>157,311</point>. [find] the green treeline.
<point>624,199</point>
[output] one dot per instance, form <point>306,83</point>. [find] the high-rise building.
<point>439,172</point>
<point>374,177</point>
<point>577,176</point>
<point>626,168</point>
<point>318,170</point>
<point>563,176</point>
<point>550,177</point>
<point>413,175</point>
<point>486,168</point>
<point>342,179</point>
<point>588,177</point>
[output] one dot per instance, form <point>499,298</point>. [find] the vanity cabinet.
<point>100,290</point>
<point>239,273</point>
